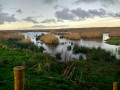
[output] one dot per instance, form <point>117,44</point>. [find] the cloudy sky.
<point>48,14</point>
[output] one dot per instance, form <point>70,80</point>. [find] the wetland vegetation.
<point>43,71</point>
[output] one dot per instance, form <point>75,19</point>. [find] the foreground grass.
<point>43,72</point>
<point>114,41</point>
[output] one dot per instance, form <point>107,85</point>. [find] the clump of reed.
<point>50,39</point>
<point>72,36</point>
<point>26,40</point>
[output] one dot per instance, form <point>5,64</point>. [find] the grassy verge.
<point>114,41</point>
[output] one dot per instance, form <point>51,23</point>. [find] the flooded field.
<point>64,43</point>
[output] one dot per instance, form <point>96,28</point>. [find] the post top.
<point>18,68</point>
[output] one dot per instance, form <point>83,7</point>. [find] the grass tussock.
<point>26,40</point>
<point>72,36</point>
<point>50,39</point>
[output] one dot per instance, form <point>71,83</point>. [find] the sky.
<point>54,14</point>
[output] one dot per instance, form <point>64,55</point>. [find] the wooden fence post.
<point>115,85</point>
<point>18,78</point>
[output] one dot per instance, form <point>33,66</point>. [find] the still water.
<point>64,43</point>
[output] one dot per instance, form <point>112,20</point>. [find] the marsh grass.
<point>50,39</point>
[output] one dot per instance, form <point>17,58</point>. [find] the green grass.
<point>114,41</point>
<point>87,75</point>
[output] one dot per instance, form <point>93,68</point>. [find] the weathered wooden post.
<point>18,78</point>
<point>115,85</point>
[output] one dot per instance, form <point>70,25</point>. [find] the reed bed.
<point>115,33</point>
<point>7,35</point>
<point>97,33</point>
<point>50,39</point>
<point>72,36</point>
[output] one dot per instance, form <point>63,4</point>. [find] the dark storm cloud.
<point>102,1</point>
<point>64,14</point>
<point>6,17</point>
<point>81,14</point>
<point>31,19</point>
<point>19,11</point>
<point>48,21</point>
<point>42,26</point>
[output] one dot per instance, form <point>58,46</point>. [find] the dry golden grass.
<point>26,40</point>
<point>52,31</point>
<point>72,36</point>
<point>115,33</point>
<point>97,33</point>
<point>50,39</point>
<point>92,34</point>
<point>7,35</point>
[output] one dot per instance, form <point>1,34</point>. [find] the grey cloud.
<point>0,7</point>
<point>19,11</point>
<point>48,21</point>
<point>5,17</point>
<point>60,20</point>
<point>49,1</point>
<point>43,26</point>
<point>58,6</point>
<point>80,14</point>
<point>65,14</point>
<point>102,1</point>
<point>31,19</point>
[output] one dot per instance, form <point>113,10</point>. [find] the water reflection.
<point>64,43</point>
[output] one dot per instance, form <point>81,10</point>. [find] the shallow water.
<point>64,43</point>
